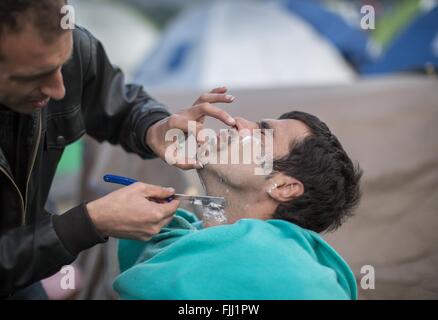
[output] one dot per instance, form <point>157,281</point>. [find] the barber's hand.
<point>127,214</point>
<point>202,107</point>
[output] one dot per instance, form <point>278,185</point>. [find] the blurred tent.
<point>415,49</point>
<point>400,25</point>
<point>127,35</point>
<point>242,44</point>
<point>345,35</point>
<point>392,17</point>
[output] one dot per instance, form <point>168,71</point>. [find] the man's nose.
<point>242,123</point>
<point>53,87</point>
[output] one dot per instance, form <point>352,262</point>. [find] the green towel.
<point>250,259</point>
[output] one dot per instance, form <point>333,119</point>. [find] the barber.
<point>55,86</point>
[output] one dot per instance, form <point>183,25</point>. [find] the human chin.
<point>24,108</point>
<point>17,105</point>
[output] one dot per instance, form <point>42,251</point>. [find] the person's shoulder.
<point>256,231</point>
<point>83,43</point>
<point>281,245</point>
<point>82,36</point>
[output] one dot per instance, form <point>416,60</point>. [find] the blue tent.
<point>244,44</point>
<point>414,49</point>
<point>351,41</point>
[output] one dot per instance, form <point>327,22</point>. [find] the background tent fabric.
<point>125,45</point>
<point>415,49</point>
<point>349,39</point>
<point>242,44</point>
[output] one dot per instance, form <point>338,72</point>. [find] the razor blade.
<point>201,200</point>
<point>194,200</point>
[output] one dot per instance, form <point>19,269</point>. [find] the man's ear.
<point>283,188</point>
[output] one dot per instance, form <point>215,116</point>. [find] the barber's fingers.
<point>219,90</point>
<point>169,208</point>
<point>165,222</point>
<point>162,211</point>
<point>152,191</point>
<point>207,109</point>
<point>217,95</point>
<point>215,98</point>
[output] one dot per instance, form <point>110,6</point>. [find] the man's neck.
<point>245,207</point>
<point>240,204</point>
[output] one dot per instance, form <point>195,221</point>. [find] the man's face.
<point>30,68</point>
<point>243,176</point>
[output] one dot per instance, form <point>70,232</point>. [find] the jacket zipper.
<point>34,154</point>
<point>18,191</point>
<point>23,202</point>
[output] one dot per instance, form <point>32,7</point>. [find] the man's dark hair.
<point>331,180</point>
<point>45,15</point>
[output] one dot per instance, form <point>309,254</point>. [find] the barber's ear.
<point>283,188</point>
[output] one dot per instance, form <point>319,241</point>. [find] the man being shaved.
<point>269,247</point>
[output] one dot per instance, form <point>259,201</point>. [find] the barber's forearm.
<point>76,230</point>
<point>30,253</point>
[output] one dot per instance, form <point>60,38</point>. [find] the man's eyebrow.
<point>263,124</point>
<point>41,74</point>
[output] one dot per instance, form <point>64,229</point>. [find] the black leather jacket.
<point>33,243</point>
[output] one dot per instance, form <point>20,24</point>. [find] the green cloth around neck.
<point>250,259</point>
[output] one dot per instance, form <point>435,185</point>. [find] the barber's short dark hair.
<point>331,180</point>
<point>45,15</point>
